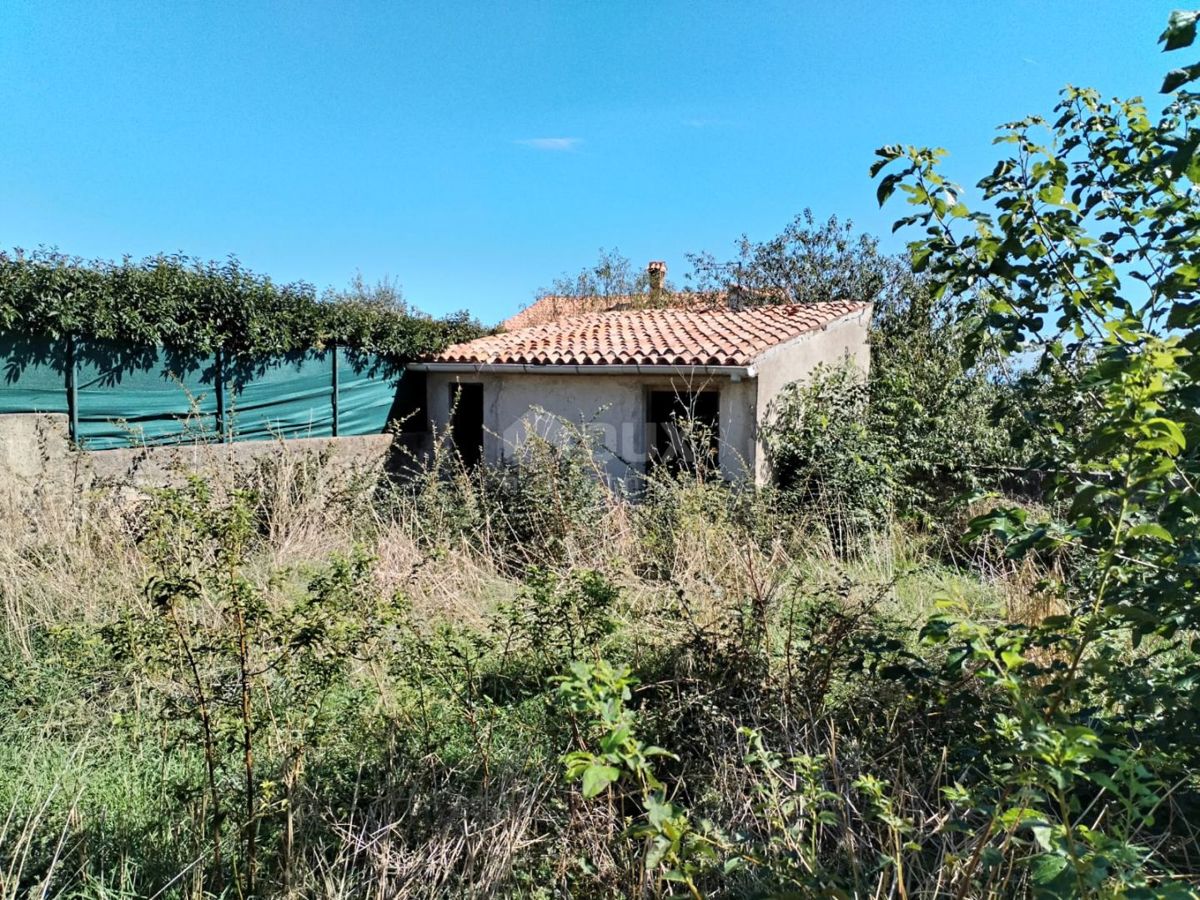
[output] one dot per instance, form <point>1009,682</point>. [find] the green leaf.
<point>611,741</point>
<point>887,187</point>
<point>1152,530</point>
<point>1011,658</point>
<point>1046,868</point>
<point>597,777</point>
<point>1181,30</point>
<point>1176,78</point>
<point>658,751</point>
<point>886,155</point>
<point>658,810</point>
<point>1042,834</point>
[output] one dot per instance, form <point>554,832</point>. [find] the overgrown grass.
<point>288,682</point>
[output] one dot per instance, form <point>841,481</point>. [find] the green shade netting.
<point>286,397</point>
<point>366,393</point>
<point>155,396</point>
<point>143,397</point>
<point>32,375</point>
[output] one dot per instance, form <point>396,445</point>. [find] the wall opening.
<point>466,421</point>
<point>408,410</point>
<point>684,429</point>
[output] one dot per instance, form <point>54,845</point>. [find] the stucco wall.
<point>795,361</point>
<point>35,456</point>
<point>611,407</point>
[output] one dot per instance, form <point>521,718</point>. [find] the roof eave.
<point>734,372</point>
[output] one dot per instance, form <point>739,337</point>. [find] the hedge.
<point>197,307</point>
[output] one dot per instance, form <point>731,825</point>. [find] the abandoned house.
<point>641,382</point>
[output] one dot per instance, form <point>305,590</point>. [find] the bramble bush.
<point>826,456</point>
<point>917,433</point>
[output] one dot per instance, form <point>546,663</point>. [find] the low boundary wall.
<point>36,455</point>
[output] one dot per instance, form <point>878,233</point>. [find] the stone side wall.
<point>156,466</point>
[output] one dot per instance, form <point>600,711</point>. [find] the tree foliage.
<point>944,421</point>
<point>920,430</point>
<point>805,263</point>
<point>1087,264</point>
<point>613,276</point>
<point>1180,32</point>
<point>195,306</point>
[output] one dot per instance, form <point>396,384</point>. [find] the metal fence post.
<point>220,378</point>
<point>72,392</point>
<point>334,394</point>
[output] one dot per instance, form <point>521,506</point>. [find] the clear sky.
<point>473,151</point>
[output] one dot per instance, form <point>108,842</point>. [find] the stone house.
<point>638,380</point>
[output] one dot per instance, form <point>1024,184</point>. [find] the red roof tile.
<point>652,337</point>
<point>553,307</point>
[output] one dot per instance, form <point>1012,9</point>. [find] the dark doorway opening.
<point>466,421</point>
<point>408,412</point>
<point>685,429</point>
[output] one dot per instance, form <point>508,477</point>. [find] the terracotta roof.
<point>553,307</point>
<point>652,337</point>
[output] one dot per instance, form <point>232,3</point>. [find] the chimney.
<point>657,271</point>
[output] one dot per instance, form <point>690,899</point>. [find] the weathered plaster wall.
<point>153,466</point>
<point>610,407</point>
<point>36,456</point>
<point>29,444</point>
<point>613,407</point>
<point>795,361</point>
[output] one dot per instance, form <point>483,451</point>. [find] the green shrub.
<point>556,619</point>
<point>946,424</point>
<point>248,684</point>
<point>542,502</point>
<point>1095,708</point>
<point>825,456</point>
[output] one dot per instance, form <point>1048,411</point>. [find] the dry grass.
<point>688,566</point>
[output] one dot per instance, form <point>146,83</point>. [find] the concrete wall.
<point>36,456</point>
<point>612,408</point>
<point>845,338</point>
<point>157,466</point>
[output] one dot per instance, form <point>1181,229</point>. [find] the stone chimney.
<point>657,272</point>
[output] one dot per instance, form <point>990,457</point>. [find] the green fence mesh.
<point>34,376</point>
<point>149,397</point>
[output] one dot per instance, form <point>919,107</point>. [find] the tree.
<point>384,295</point>
<point>1087,264</point>
<point>941,418</point>
<point>612,277</point>
<point>805,263</point>
<point>927,415</point>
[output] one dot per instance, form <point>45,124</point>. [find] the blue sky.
<point>474,151</point>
